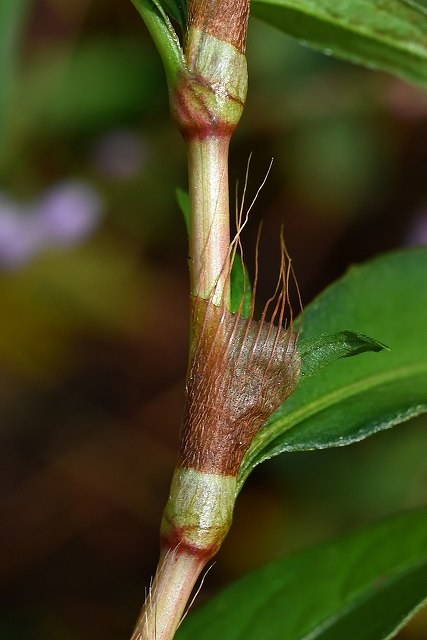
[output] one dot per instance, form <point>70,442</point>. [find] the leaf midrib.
<point>417,50</point>
<point>334,397</point>
<point>359,600</point>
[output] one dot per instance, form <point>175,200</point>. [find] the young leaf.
<point>356,397</point>
<point>239,278</point>
<point>365,586</point>
<point>317,352</point>
<point>177,9</point>
<point>390,35</point>
<point>164,36</point>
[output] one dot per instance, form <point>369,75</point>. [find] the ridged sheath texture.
<point>241,371</point>
<point>226,20</point>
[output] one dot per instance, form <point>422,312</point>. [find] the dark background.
<point>93,320</point>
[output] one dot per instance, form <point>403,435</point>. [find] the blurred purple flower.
<point>63,216</point>
<point>120,154</point>
<point>67,213</point>
<point>19,236</point>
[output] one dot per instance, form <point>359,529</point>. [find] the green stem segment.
<point>168,597</point>
<point>209,227</point>
<point>207,105</point>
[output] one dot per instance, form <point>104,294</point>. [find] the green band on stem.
<point>199,511</point>
<point>219,64</point>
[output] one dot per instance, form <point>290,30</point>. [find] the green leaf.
<point>390,35</point>
<point>177,9</point>
<point>317,352</point>
<point>240,283</point>
<point>356,397</point>
<point>365,586</point>
<point>164,36</point>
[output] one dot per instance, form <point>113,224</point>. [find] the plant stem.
<point>195,521</point>
<point>169,594</point>
<point>207,96</point>
<point>210,225</point>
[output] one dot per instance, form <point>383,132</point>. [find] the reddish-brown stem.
<point>169,594</point>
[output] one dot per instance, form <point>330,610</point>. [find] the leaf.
<point>365,586</point>
<point>163,34</point>
<point>177,9</point>
<point>390,35</point>
<point>317,352</point>
<point>354,398</point>
<point>240,283</point>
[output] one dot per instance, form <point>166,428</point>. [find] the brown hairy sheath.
<point>226,20</point>
<point>241,371</point>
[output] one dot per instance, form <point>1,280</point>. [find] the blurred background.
<point>94,290</point>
